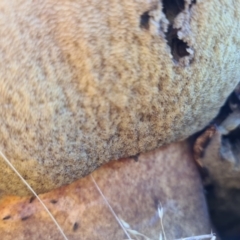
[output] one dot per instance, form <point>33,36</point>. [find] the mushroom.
<point>86,82</point>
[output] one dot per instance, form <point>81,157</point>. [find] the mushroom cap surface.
<point>85,82</point>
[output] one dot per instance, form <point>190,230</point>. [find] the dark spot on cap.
<point>135,157</point>
<point>32,199</point>
<point>75,226</point>
<point>53,201</point>
<point>25,218</point>
<point>7,217</point>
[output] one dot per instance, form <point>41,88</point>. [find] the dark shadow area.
<point>144,20</point>
<point>223,193</point>
<point>172,8</point>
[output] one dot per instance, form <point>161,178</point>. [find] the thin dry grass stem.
<point>162,235</point>
<point>34,193</point>
<point>201,237</point>
<point>110,208</point>
<point>133,232</point>
<point>160,214</point>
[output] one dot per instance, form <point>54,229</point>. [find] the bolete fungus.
<point>85,82</point>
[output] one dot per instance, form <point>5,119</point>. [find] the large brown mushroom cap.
<point>84,82</point>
